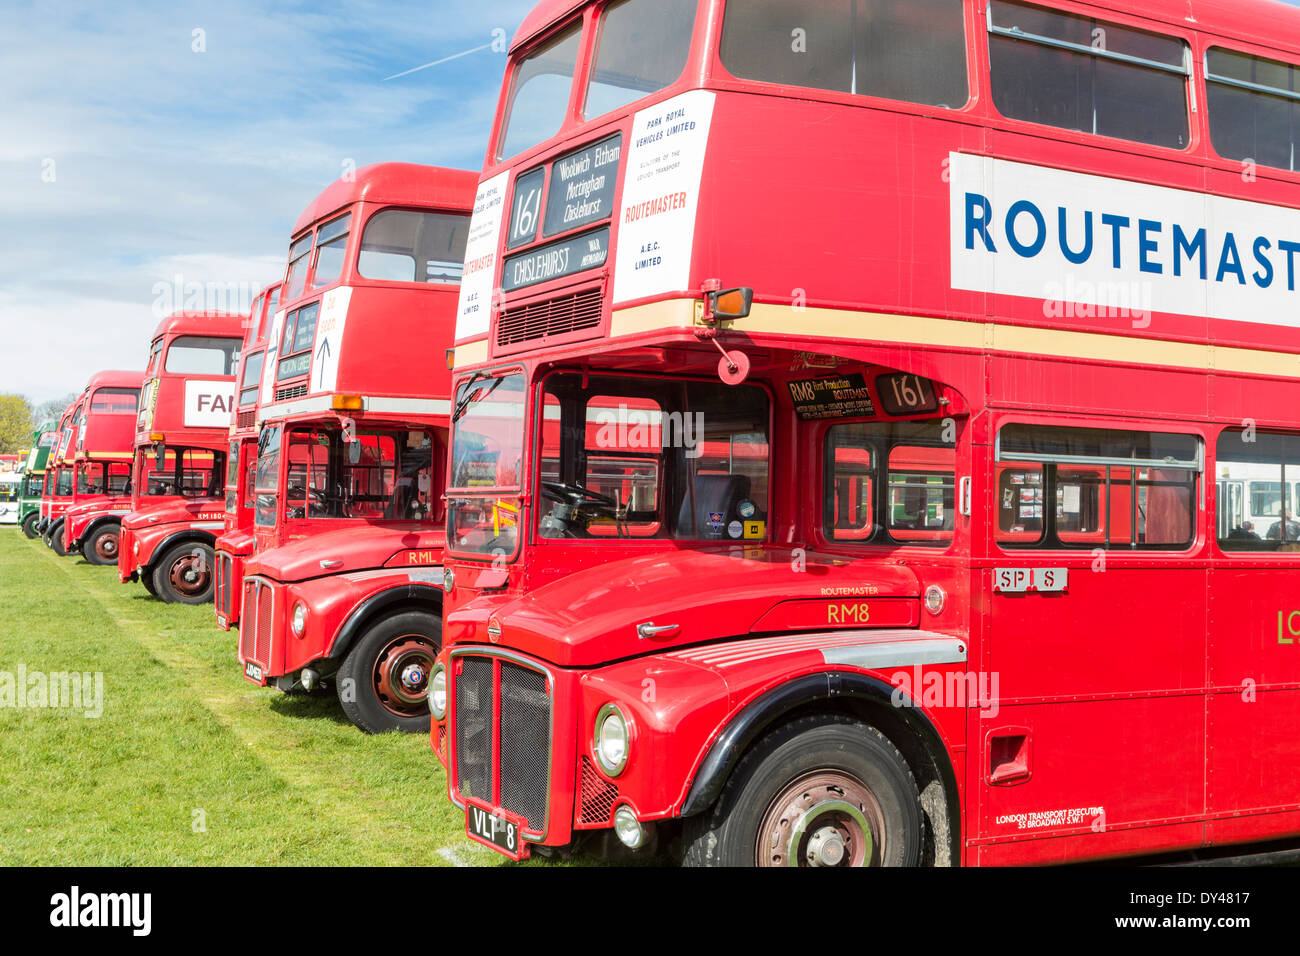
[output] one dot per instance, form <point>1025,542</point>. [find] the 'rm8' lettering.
<point>846,613</point>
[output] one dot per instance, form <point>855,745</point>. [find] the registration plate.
<point>495,828</point>
<point>253,672</point>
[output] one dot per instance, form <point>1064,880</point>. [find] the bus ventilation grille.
<point>247,419</point>
<point>540,321</point>
<point>284,394</point>
<point>597,796</point>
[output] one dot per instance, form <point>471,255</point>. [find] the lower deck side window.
<point>1095,488</point>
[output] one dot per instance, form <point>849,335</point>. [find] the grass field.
<point>189,763</point>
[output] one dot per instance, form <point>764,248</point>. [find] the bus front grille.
<point>538,323</point>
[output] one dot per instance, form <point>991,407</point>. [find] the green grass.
<point>189,763</point>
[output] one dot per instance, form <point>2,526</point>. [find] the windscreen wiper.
<point>463,405</point>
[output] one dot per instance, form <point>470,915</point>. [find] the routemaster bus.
<point>57,494</point>
<point>994,305</point>
<point>101,478</point>
<point>343,589</point>
<point>29,496</point>
<point>166,541</point>
<point>236,541</point>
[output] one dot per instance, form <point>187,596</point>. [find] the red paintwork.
<point>1130,684</point>
<point>105,440</point>
<point>393,355</point>
<point>236,542</point>
<point>163,411</point>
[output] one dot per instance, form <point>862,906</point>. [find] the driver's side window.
<point>614,456</point>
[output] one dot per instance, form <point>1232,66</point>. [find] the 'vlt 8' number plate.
<point>495,828</point>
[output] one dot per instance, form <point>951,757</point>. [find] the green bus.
<point>29,492</point>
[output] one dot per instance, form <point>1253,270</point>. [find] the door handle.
<point>648,630</point>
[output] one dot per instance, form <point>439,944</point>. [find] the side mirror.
<point>731,303</point>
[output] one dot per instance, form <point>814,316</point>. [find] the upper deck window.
<point>299,256</point>
<point>539,94</point>
<point>272,306</point>
<point>1254,107</point>
<point>909,50</point>
<point>202,355</point>
<point>114,401</point>
<point>331,249</point>
<point>642,49</point>
<point>249,385</point>
<point>402,245</point>
<point>154,351</point>
<point>1089,75</point>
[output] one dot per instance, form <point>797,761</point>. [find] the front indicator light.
<point>438,692</point>
<point>448,580</point>
<point>299,623</point>
<point>935,599</point>
<point>611,740</point>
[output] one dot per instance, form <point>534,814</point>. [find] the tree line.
<point>19,418</point>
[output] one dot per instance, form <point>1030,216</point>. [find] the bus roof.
<point>115,379</point>
<point>1267,22</point>
<point>435,186</point>
<point>202,323</point>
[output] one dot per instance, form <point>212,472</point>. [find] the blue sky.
<point>128,158</point>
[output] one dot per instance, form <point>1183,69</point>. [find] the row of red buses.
<point>340,583</point>
<point>101,482</point>
<point>177,493</point>
<point>966,329</point>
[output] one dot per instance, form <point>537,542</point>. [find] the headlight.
<point>135,549</point>
<point>611,740</point>
<point>438,692</point>
<point>448,579</point>
<point>299,619</point>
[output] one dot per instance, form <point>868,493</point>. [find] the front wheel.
<point>820,791</point>
<point>56,542</point>
<point>383,683</point>
<point>29,524</point>
<point>184,574</point>
<point>101,547</point>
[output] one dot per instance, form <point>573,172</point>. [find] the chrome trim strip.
<point>899,653</point>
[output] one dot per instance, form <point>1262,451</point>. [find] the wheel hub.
<point>826,818</point>
<point>106,546</point>
<point>401,674</point>
<point>188,576</point>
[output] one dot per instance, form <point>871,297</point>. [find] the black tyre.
<point>819,791</point>
<point>56,541</point>
<point>101,547</point>
<point>183,575</point>
<point>29,524</point>
<point>146,578</point>
<point>383,683</point>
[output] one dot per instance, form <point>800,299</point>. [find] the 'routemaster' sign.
<point>1069,237</point>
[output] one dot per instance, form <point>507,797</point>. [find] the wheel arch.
<point>390,601</point>
<point>187,536</point>
<point>99,522</point>
<point>842,693</point>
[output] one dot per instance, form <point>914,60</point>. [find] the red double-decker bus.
<point>57,496</point>
<point>236,541</point>
<point>104,448</point>
<point>177,501</point>
<point>343,588</point>
<point>968,535</point>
